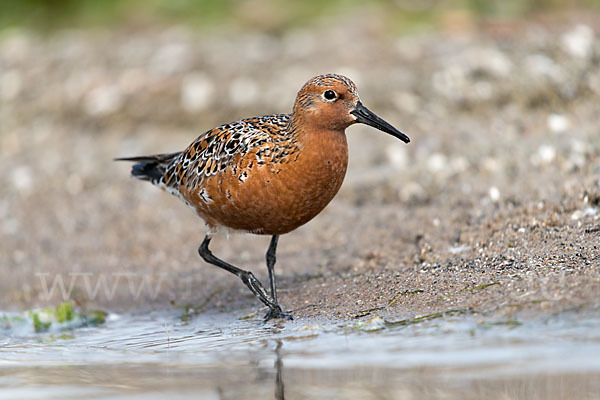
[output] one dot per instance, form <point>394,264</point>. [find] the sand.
<point>493,208</point>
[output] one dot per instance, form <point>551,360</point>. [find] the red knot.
<point>266,175</point>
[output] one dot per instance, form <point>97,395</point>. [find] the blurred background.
<point>500,99</point>
<point>464,265</point>
<point>270,16</point>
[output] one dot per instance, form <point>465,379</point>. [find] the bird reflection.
<point>279,392</point>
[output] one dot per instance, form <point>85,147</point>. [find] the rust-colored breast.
<point>280,193</point>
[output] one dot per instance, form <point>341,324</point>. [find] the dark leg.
<point>271,258</point>
<point>246,276</point>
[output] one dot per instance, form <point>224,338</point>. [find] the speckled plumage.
<point>225,174</point>
<point>269,174</point>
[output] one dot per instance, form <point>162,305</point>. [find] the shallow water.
<point>219,357</point>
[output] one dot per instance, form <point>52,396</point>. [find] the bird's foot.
<point>276,312</point>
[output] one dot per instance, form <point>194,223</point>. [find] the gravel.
<point>500,184</point>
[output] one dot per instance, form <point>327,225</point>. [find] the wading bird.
<point>266,175</point>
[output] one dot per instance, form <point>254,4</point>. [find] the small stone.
<point>542,65</point>
<point>398,157</point>
<point>412,191</point>
<point>545,155</point>
<point>558,123</point>
<point>196,92</point>
<point>103,100</point>
<point>459,164</point>
<point>171,58</point>
<point>374,324</point>
<point>491,164</point>
<point>437,162</point>
<point>10,84</point>
<point>243,91</point>
<point>459,249</point>
<point>579,42</point>
<point>406,102</point>
<point>494,194</point>
<point>22,178</point>
<point>577,215</point>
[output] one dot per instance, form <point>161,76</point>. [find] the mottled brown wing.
<point>215,150</point>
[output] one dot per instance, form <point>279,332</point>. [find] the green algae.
<point>509,322</point>
<point>471,289</point>
<point>38,324</point>
<point>62,317</point>
<point>64,312</point>
<point>427,317</point>
<point>397,297</point>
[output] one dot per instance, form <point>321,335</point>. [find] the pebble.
<point>437,162</point>
<point>373,324</point>
<point>103,100</point>
<point>398,157</point>
<point>22,178</point>
<point>196,92</point>
<point>494,194</point>
<point>412,191</point>
<point>544,155</point>
<point>578,214</point>
<point>10,84</point>
<point>578,42</point>
<point>243,92</point>
<point>459,249</point>
<point>540,65</point>
<point>558,123</point>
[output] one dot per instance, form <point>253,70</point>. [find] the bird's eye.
<point>329,95</point>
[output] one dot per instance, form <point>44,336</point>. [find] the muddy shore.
<point>492,209</point>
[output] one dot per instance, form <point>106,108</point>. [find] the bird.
<point>266,175</point>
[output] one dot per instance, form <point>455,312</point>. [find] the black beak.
<point>366,116</point>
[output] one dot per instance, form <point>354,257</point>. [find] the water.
<point>219,357</point>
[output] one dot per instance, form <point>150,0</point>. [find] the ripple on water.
<point>460,346</point>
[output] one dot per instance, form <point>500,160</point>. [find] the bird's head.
<point>331,102</point>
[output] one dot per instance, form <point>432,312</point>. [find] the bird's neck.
<point>308,133</point>
<point>324,152</point>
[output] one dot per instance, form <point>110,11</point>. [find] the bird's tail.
<point>150,168</point>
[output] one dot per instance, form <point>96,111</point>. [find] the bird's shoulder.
<point>241,135</point>
<point>214,150</point>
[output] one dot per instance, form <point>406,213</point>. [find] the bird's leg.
<point>271,258</point>
<point>246,276</point>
